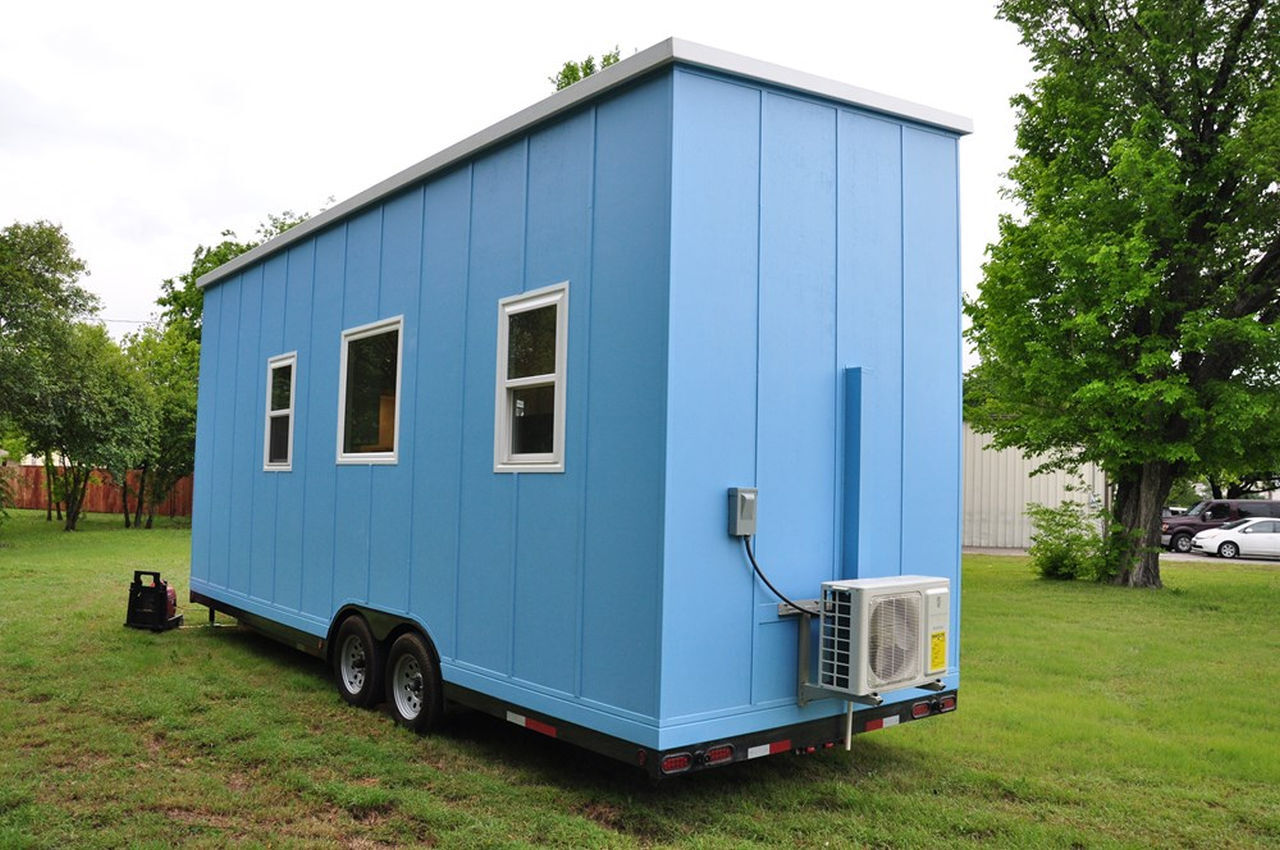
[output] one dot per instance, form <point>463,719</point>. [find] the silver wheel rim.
<point>407,679</point>
<point>1228,550</point>
<point>1183,544</point>
<point>352,665</point>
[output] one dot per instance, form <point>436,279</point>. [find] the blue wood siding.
<point>532,586</point>
<point>808,238</point>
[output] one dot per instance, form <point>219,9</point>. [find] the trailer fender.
<point>385,627</point>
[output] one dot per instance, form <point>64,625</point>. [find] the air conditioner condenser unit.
<point>883,634</point>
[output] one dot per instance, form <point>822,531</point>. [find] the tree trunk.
<point>1141,492</point>
<point>77,481</point>
<point>124,497</point>
<point>48,488</point>
<point>142,497</point>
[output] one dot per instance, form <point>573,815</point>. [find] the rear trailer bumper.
<point>801,738</point>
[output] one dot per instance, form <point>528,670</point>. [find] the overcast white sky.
<point>146,129</point>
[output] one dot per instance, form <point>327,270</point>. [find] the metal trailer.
<point>469,434</point>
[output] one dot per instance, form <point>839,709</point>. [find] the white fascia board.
<point>668,52</point>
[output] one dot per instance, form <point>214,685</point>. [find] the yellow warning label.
<point>937,651</point>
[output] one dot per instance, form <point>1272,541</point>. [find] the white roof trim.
<point>671,51</point>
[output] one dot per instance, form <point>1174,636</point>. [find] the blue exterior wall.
<point>540,589</point>
<point>732,252</point>
<point>807,239</point>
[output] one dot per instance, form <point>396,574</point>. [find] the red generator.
<point>152,606</point>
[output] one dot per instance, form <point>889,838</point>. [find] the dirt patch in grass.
<point>606,814</point>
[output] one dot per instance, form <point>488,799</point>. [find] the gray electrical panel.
<point>742,511</point>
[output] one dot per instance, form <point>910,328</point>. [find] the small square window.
<point>530,398</point>
<point>369,411</point>
<point>278,438</point>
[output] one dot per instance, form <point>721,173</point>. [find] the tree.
<point>572,72</point>
<point>1128,313</point>
<point>91,408</point>
<point>39,296</point>
<point>168,361</point>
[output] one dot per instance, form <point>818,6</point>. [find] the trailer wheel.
<point>357,663</point>
<point>414,689</point>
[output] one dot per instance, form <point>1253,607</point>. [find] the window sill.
<point>368,460</point>
<point>530,466</point>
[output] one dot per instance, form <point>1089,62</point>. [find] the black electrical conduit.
<point>752,556</point>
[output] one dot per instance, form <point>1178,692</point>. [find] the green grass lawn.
<point>1089,716</point>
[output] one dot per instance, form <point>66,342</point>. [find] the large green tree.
<point>40,296</point>
<point>91,408</point>
<point>1128,313</point>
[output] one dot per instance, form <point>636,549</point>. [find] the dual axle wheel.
<point>405,674</point>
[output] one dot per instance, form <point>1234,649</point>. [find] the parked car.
<point>1176,531</point>
<point>1256,537</point>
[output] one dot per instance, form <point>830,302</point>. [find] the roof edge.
<point>668,52</point>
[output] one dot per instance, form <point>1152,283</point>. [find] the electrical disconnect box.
<point>742,511</point>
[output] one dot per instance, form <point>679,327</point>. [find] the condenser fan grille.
<point>893,638</point>
<point>872,639</point>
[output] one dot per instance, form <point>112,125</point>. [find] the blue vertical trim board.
<point>763,290</point>
<point>853,418</point>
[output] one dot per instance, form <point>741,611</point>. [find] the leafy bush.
<point>1075,541</point>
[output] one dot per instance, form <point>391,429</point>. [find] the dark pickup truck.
<point>1176,531</point>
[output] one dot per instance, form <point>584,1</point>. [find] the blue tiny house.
<point>469,434</point>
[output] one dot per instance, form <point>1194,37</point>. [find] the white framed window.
<point>369,393</point>
<point>529,406</point>
<point>277,440</point>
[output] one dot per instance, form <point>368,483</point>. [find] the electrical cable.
<point>752,557</point>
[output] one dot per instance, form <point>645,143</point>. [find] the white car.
<point>1255,537</point>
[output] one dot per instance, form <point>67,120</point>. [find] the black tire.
<point>358,663</point>
<point>415,693</point>
<point>1181,543</point>
<point>1228,550</point>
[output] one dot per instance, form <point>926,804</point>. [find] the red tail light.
<point>719,755</point>
<point>676,763</point>
<point>947,704</point>
<point>921,709</point>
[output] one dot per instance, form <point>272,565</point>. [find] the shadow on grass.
<point>615,795</point>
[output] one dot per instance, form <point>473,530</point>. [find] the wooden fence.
<point>103,495</point>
